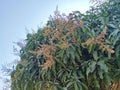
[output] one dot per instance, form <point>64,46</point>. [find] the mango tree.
<point>74,52</point>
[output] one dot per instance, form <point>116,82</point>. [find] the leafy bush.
<point>74,52</point>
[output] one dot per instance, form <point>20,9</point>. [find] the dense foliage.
<point>74,52</point>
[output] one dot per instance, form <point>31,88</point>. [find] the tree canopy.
<point>73,52</point>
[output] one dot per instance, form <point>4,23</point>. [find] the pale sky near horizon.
<point>16,15</point>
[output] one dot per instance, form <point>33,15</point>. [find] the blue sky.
<point>16,15</point>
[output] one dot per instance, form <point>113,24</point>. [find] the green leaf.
<point>91,48</point>
<point>76,86</point>
<point>79,51</point>
<point>111,25</point>
<point>97,84</point>
<point>95,55</point>
<point>92,66</point>
<point>100,73</point>
<point>38,85</point>
<point>107,79</point>
<point>72,54</point>
<point>32,74</point>
<point>65,59</point>
<point>60,62</point>
<point>69,84</point>
<point>67,52</point>
<point>78,57</point>
<point>60,54</point>
<point>84,86</point>
<point>102,65</point>
<point>88,71</point>
<point>80,74</point>
<point>55,88</point>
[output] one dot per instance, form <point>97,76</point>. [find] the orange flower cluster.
<point>48,52</point>
<point>64,45</point>
<point>61,25</point>
<point>100,40</point>
<point>48,30</point>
